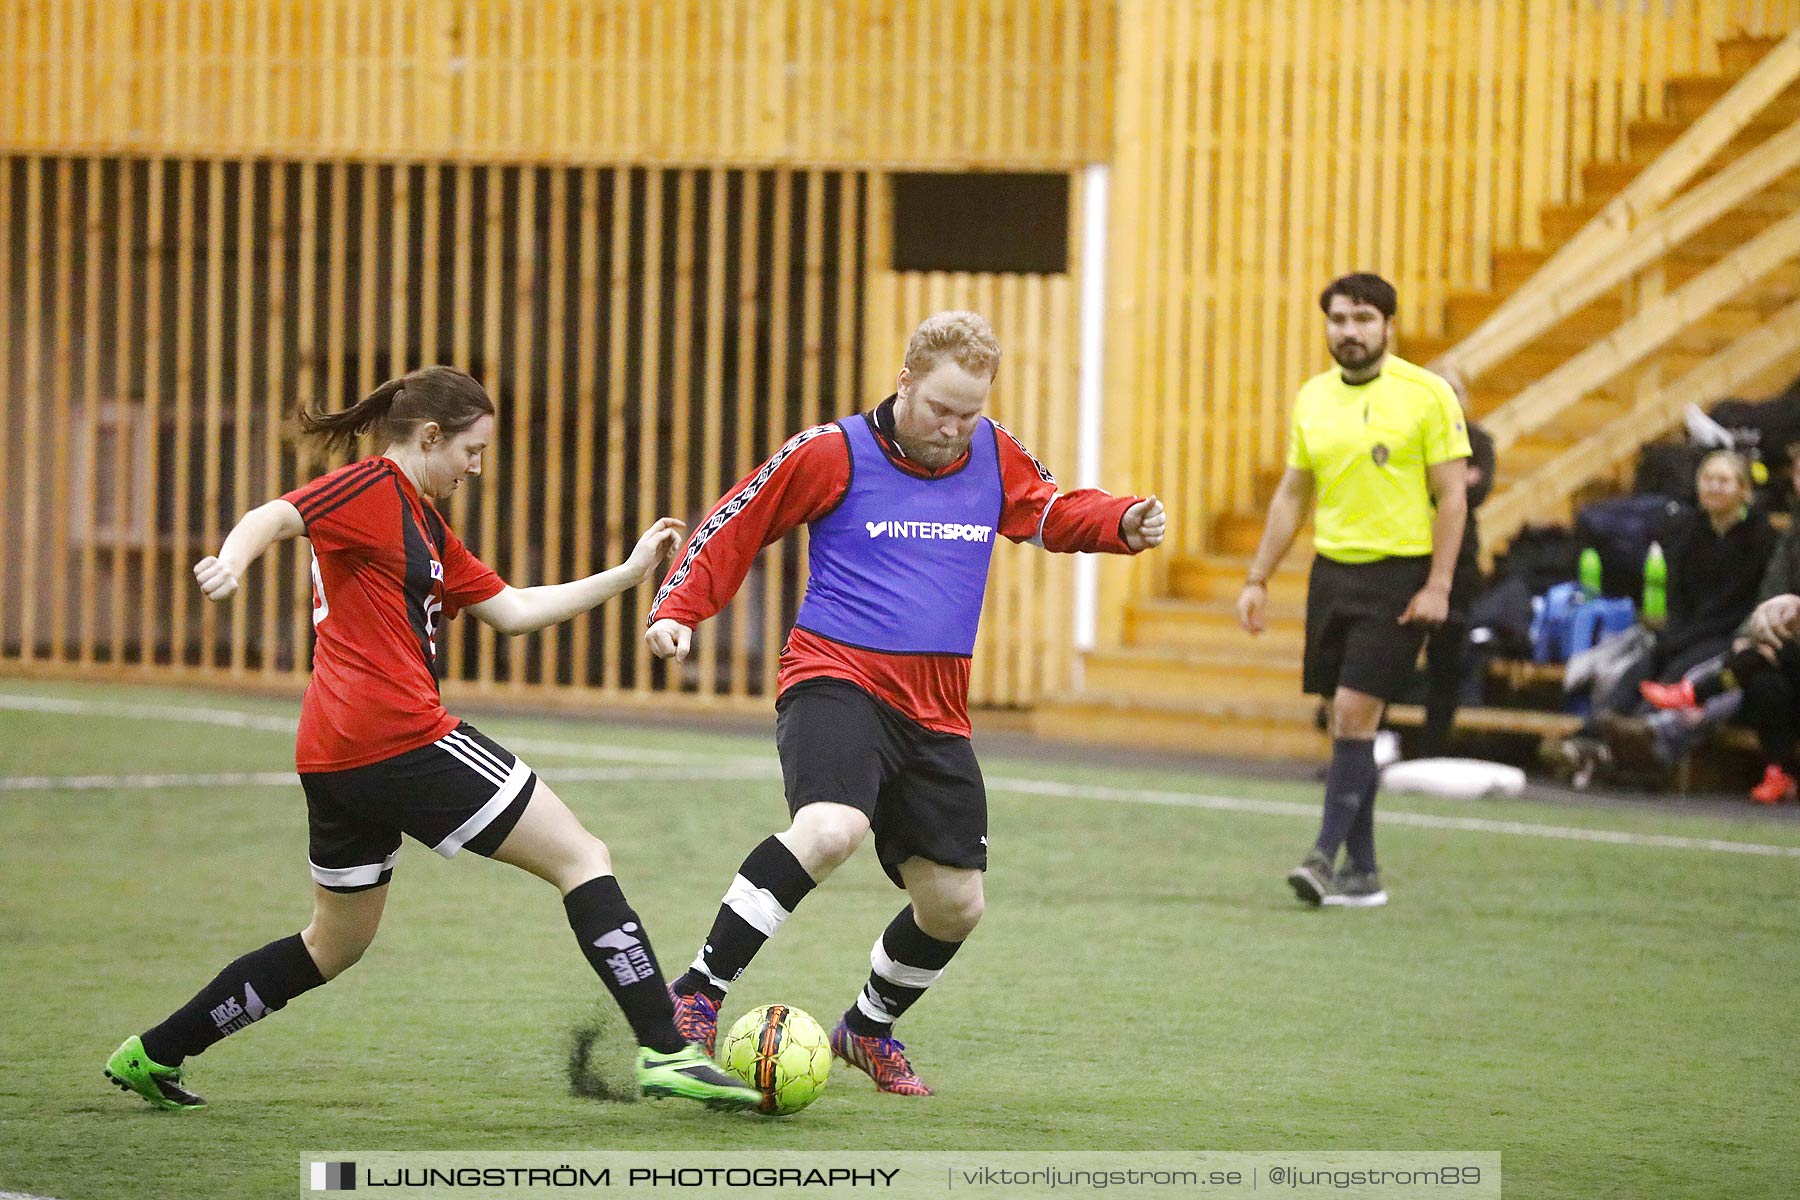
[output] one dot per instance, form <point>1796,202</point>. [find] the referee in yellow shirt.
<point>1378,449</point>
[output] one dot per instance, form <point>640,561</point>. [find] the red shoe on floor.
<point>696,1019</point>
<point>882,1058</point>
<point>1777,787</point>
<point>1669,695</point>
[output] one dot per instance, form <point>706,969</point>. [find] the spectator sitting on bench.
<point>1766,680</point>
<point>1716,555</point>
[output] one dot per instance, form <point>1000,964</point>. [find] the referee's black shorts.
<point>921,790</point>
<point>1354,638</point>
<point>464,791</point>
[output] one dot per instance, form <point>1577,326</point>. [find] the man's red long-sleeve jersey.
<point>804,481</point>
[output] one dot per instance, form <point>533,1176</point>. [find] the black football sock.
<point>765,891</point>
<point>618,949</point>
<point>1360,843</point>
<point>259,983</point>
<point>1352,775</point>
<point>903,963</point>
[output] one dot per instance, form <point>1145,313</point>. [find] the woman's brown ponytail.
<point>452,398</point>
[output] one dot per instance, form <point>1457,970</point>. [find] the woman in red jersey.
<point>379,756</point>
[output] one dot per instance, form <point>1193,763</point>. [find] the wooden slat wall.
<point>1264,146</point>
<point>930,83</point>
<point>211,299</point>
<point>223,215</point>
<point>649,334</point>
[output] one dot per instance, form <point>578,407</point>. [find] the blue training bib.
<point>901,565</point>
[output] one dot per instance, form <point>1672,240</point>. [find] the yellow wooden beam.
<point>1747,357</point>
<point>1657,237</point>
<point>1652,328</point>
<point>1594,251</point>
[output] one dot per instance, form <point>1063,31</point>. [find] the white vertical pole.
<point>1089,425</point>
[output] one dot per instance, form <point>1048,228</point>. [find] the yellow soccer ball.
<point>782,1053</point>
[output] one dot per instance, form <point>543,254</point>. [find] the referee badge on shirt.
<point>1380,454</point>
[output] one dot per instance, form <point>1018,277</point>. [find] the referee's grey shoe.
<point>1357,889</point>
<point>1312,879</point>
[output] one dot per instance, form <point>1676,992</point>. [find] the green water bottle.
<point>1656,585</point>
<point>1588,573</point>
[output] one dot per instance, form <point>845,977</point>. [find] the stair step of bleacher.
<point>1718,237</point>
<point>1689,96</point>
<point>1529,721</point>
<point>1597,319</point>
<point>1221,576</point>
<point>1601,181</point>
<point>1582,419</point>
<point>1513,267</point>
<point>1164,674</point>
<point>1186,625</point>
<point>1649,137</point>
<point>1250,726</point>
<point>1529,366</point>
<point>1243,727</point>
<point>1737,55</point>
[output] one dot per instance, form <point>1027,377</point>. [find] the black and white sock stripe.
<point>758,909</point>
<point>893,986</point>
<point>768,886</point>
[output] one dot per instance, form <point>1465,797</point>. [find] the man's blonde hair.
<point>964,337</point>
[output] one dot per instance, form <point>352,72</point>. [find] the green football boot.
<point>132,1070</point>
<point>691,1075</point>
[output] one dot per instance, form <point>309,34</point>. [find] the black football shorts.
<point>1354,638</point>
<point>921,790</point>
<point>463,791</point>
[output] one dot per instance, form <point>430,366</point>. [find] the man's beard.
<point>1353,356</point>
<point>936,454</point>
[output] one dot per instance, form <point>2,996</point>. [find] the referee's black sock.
<point>1360,843</point>
<point>618,949</point>
<point>1351,776</point>
<point>259,983</point>
<point>763,894</point>
<point>904,961</point>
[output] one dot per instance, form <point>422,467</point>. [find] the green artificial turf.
<point>1617,1019</point>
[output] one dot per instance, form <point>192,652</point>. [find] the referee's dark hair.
<point>1364,288</point>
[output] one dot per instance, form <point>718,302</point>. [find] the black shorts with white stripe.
<point>463,791</point>
<point>921,789</point>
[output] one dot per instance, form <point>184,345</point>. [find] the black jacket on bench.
<point>1714,579</point>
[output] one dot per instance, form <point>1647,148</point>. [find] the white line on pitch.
<point>636,754</point>
<point>1283,808</point>
<point>747,769</point>
<point>149,712</point>
<point>276,724</point>
<point>246,779</point>
<point>107,783</point>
